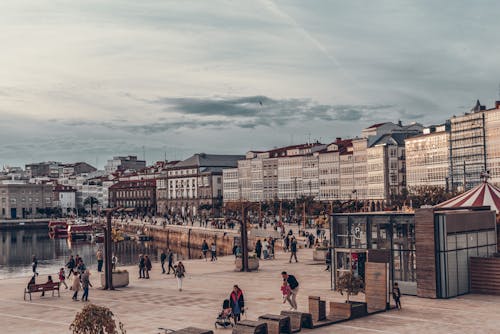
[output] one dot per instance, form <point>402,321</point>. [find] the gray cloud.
<point>246,112</point>
<point>252,111</point>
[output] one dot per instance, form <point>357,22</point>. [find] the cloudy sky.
<point>88,79</point>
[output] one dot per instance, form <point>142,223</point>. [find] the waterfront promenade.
<point>148,304</point>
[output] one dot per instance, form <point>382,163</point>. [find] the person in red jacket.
<point>237,303</point>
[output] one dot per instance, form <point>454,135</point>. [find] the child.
<point>62,277</point>
<point>286,291</point>
<point>396,294</point>
<point>226,309</point>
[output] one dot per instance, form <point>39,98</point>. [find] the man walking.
<point>85,285</point>
<point>204,249</point>
<point>100,260</point>
<point>148,265</point>
<point>142,266</point>
<point>213,250</point>
<point>163,258</point>
<point>170,261</point>
<point>294,287</point>
<point>71,265</point>
<point>293,250</point>
<point>34,265</point>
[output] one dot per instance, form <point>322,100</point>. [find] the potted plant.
<point>351,286</point>
<point>120,278</point>
<point>319,253</point>
<point>253,262</point>
<point>95,319</point>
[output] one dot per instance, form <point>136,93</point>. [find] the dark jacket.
<point>233,298</point>
<point>163,257</point>
<point>293,246</point>
<point>148,264</point>
<point>204,247</point>
<point>141,262</point>
<point>71,264</point>
<point>292,281</point>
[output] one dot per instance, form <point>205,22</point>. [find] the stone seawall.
<point>185,240</point>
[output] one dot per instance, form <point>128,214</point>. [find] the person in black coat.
<point>237,303</point>
<point>258,248</point>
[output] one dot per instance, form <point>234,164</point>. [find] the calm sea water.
<point>18,246</point>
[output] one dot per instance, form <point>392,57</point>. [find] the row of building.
<point>385,160</point>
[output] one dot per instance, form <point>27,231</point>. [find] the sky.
<point>85,80</point>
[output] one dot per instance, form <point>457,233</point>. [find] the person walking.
<point>286,243</point>
<point>142,266</point>
<point>294,289</point>
<point>271,247</point>
<point>180,272</point>
<point>204,249</point>
<point>148,266</point>
<point>293,250</point>
<point>258,248</point>
<point>62,278</point>
<point>100,259</point>
<point>396,294</point>
<point>71,265</point>
<point>171,261</point>
<point>114,262</point>
<point>237,303</point>
<point>75,287</point>
<point>85,285</point>
<point>328,259</point>
<point>213,250</point>
<point>163,259</point>
<point>34,265</point>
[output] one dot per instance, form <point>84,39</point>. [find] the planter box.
<point>253,264</point>
<point>351,310</point>
<point>319,254</point>
<point>120,279</point>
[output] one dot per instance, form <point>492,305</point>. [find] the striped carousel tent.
<point>484,194</point>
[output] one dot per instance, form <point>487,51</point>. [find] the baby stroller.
<point>225,317</point>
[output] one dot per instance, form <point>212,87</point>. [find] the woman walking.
<point>237,303</point>
<point>75,286</point>
<point>180,272</point>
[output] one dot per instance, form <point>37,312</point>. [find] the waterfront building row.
<point>458,154</point>
<point>369,168</point>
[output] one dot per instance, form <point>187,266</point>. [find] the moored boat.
<point>79,230</point>
<point>58,229</point>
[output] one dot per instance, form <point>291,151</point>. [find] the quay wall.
<point>13,224</point>
<point>186,240</point>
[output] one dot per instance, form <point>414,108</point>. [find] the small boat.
<point>79,230</point>
<point>58,229</point>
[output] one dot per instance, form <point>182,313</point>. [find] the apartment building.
<point>428,158</point>
<point>24,200</point>
<point>137,194</point>
<point>196,183</point>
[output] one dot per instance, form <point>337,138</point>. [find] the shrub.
<point>95,319</point>
<point>349,284</point>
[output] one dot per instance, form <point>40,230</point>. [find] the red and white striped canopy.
<point>484,194</point>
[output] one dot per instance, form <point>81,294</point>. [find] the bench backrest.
<point>44,287</point>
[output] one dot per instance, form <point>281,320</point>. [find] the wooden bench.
<point>317,308</point>
<point>250,327</point>
<point>299,320</point>
<point>193,330</point>
<point>54,286</point>
<point>277,324</point>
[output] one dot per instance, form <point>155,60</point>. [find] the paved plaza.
<point>148,304</point>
